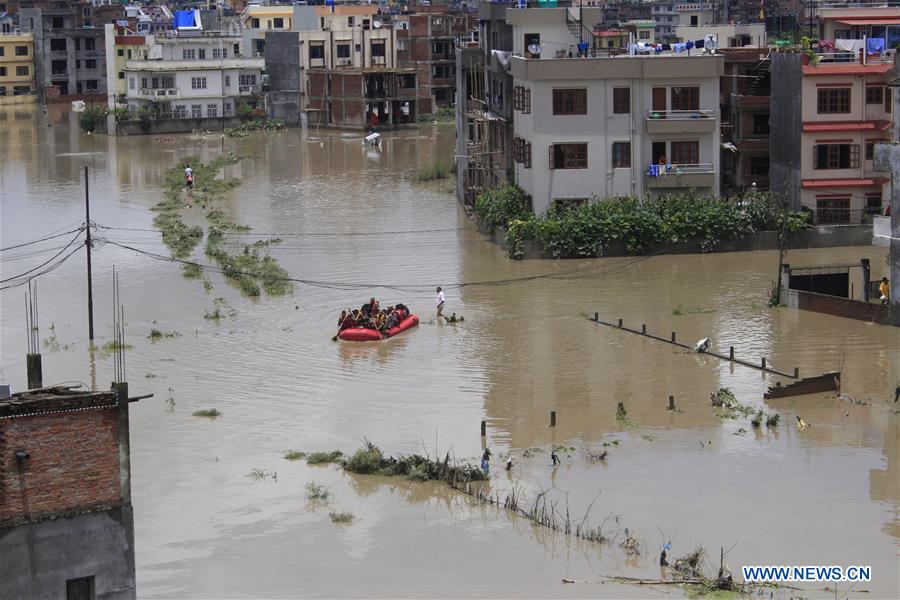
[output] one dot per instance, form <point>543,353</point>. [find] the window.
<point>874,95</point>
<point>131,83</point>
<point>247,80</point>
<point>143,82</point>
<point>621,101</point>
<point>58,45</point>
<point>2,71</point>
<point>81,588</point>
<point>832,210</point>
<point>201,53</point>
<point>91,85</point>
<point>834,101</point>
<point>870,150</point>
<point>759,166</point>
<point>216,53</point>
<point>121,74</point>
<point>621,155</point>
<point>570,101</point>
<point>180,111</point>
<point>694,20</point>
<point>873,203</point>
<point>21,50</point>
<point>120,52</point>
<point>406,81</point>
<point>532,42</point>
<point>888,95</point>
<point>402,44</point>
<point>443,71</point>
<point>198,83</point>
<point>227,106</point>
<point>254,23</point>
<point>196,111</point>
<point>568,156</point>
<point>129,55</point>
<point>836,156</point>
<point>188,54</point>
<point>349,21</point>
<point>522,152</point>
<point>278,23</point>
<point>685,153</point>
<point>90,63</point>
<point>57,23</point>
<point>343,50</point>
<point>644,35</point>
<point>685,98</point>
<point>22,71</point>
<point>761,124</point>
<point>378,49</point>
<point>522,99</point>
<point>89,44</point>
<point>236,50</point>
<point>317,51</point>
<point>212,110</point>
<point>228,81</point>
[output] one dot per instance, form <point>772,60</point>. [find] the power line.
<point>44,239</point>
<point>72,241</point>
<point>307,234</point>
<point>569,274</point>
<point>52,267</point>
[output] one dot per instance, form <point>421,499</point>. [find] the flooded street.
<point>355,224</point>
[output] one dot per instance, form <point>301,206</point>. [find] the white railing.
<point>677,169</point>
<point>249,89</point>
<point>158,92</point>
<point>886,57</point>
<point>681,114</point>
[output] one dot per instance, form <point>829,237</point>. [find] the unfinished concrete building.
<point>370,99</point>
<point>428,45</point>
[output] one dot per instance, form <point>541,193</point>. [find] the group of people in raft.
<point>371,316</point>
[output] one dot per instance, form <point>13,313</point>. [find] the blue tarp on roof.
<point>184,19</point>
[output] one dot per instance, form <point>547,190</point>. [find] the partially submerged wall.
<point>834,305</point>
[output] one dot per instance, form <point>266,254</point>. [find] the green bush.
<point>364,461</point>
<point>641,225</point>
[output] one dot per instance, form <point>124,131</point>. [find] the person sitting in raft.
<point>342,320</point>
<point>380,319</point>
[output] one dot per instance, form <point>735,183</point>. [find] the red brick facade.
<point>73,465</point>
<point>842,307</point>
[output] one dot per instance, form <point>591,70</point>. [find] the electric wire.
<point>52,267</point>
<point>44,239</point>
<point>306,234</point>
<point>72,241</point>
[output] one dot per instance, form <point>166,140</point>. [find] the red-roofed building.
<point>827,115</point>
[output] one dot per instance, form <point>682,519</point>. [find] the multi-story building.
<point>193,74</point>
<point>745,91</point>
<point>122,45</point>
<point>827,115</point>
<point>428,45</point>
<point>16,67</point>
<point>612,126</point>
<point>66,519</point>
<point>664,16</point>
<point>69,55</point>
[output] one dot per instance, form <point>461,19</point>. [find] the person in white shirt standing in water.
<point>189,176</point>
<point>440,302</point>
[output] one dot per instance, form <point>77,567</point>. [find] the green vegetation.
<point>294,455</point>
<point>191,271</point>
<point>622,416</point>
<point>243,109</point>
<point>260,474</point>
<point>178,237</point>
<point>91,118</point>
<point>156,334</point>
<point>370,461</point>
<point>681,309</point>
<point>437,170</point>
<point>343,518</point>
<point>321,458</point>
<point>249,269</point>
<point>247,126</point>
<point>314,491</point>
<point>220,311</point>
<point>725,399</point>
<point>642,225</point>
<point>207,412</point>
<point>446,114</point>
<point>221,221</point>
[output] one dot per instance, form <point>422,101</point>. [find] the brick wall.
<point>73,468</point>
<point>841,307</point>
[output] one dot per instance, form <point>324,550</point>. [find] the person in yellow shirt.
<point>885,289</point>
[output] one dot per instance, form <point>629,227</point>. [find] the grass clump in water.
<point>681,309</point>
<point>322,458</point>
<point>191,271</point>
<point>260,474</point>
<point>371,461</point>
<point>342,518</point>
<point>220,310</point>
<point>176,235</point>
<point>156,334</point>
<point>222,221</point>
<point>207,412</point>
<point>294,455</point>
<point>315,491</point>
<point>622,416</point>
<point>437,170</point>
<point>725,399</point>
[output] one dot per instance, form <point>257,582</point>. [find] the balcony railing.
<point>249,89</point>
<point>158,92</point>
<point>677,169</point>
<point>681,114</point>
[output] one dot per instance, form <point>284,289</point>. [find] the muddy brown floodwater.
<point>827,494</point>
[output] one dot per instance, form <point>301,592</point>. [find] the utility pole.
<point>87,244</point>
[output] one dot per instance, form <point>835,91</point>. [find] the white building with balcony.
<point>609,126</point>
<point>196,75</point>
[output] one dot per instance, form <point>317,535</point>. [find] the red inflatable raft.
<point>362,334</point>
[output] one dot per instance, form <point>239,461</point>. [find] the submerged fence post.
<point>552,418</point>
<point>35,373</point>
<point>483,428</point>
<point>796,372</point>
<point>620,323</point>
<point>673,336</point>
<point>671,402</point>
<point>644,328</point>
<point>763,362</point>
<point>597,317</point>
<point>730,352</point>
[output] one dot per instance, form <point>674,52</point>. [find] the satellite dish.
<point>534,48</point>
<point>376,24</point>
<point>711,43</point>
